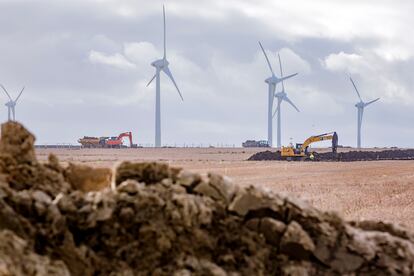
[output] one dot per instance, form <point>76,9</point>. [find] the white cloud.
<point>292,62</point>
<point>343,62</point>
<point>117,60</point>
<point>376,74</point>
<point>142,53</point>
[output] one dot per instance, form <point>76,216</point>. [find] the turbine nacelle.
<point>360,105</point>
<point>160,63</point>
<point>272,80</point>
<point>281,95</point>
<point>10,104</point>
<point>275,80</point>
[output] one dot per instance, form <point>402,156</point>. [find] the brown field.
<point>378,190</point>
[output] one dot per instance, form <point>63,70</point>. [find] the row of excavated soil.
<point>157,220</point>
<point>344,156</point>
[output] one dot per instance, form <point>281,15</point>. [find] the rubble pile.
<point>157,220</point>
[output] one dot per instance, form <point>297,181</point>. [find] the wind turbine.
<point>281,96</point>
<point>161,65</point>
<point>360,106</point>
<point>271,81</point>
<point>11,105</point>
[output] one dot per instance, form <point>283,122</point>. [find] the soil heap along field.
<point>157,220</point>
<point>343,156</point>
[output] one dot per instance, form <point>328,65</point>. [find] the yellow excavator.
<point>300,152</point>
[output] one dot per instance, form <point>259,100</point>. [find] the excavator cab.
<point>292,153</point>
<point>298,148</point>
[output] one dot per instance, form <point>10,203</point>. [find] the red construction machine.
<point>106,142</point>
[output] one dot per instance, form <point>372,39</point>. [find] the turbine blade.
<point>267,59</point>
<point>19,95</point>
<point>368,103</point>
<point>168,73</point>
<point>151,79</point>
<point>165,33</point>
<point>288,77</point>
<point>281,72</point>
<point>291,103</point>
<point>277,108</point>
<point>356,89</point>
<point>7,93</point>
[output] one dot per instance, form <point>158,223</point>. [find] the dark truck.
<point>255,144</point>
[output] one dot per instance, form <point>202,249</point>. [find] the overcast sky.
<point>85,65</point>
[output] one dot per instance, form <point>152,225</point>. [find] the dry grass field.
<point>379,190</point>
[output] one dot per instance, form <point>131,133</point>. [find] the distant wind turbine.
<point>360,106</point>
<point>281,96</point>
<point>11,104</point>
<point>161,65</point>
<point>271,81</point>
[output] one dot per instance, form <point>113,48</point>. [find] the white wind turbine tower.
<point>360,106</point>
<point>281,96</point>
<point>11,104</point>
<point>161,65</point>
<point>271,81</point>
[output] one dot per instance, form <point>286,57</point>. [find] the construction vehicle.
<point>300,152</point>
<point>106,142</point>
<point>255,144</point>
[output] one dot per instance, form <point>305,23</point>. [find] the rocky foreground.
<point>157,220</point>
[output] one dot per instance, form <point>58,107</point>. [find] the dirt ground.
<point>378,190</point>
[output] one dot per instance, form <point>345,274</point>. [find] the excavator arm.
<point>126,134</point>
<point>301,150</point>
<point>322,137</point>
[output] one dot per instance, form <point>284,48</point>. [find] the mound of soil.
<point>343,156</point>
<point>367,155</point>
<point>265,155</point>
<point>157,220</point>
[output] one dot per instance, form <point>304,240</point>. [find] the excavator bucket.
<point>334,143</point>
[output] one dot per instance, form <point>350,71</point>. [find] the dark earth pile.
<point>156,220</point>
<point>344,156</point>
<point>367,155</point>
<point>265,155</point>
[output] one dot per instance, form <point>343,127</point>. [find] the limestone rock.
<point>149,173</point>
<point>296,242</point>
<point>188,179</point>
<point>86,179</point>
<point>18,259</point>
<point>254,200</point>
